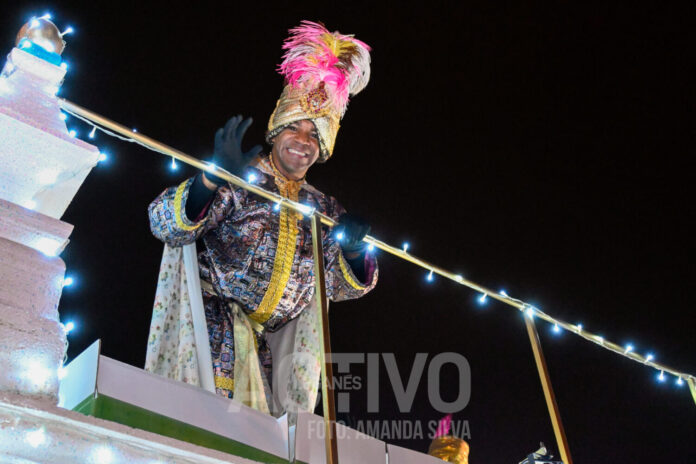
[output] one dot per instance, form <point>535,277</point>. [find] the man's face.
<point>296,148</point>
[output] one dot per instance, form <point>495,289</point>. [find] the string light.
<point>93,132</point>
<point>679,381</point>
<point>306,210</point>
<point>68,281</point>
<point>72,133</point>
<point>649,357</point>
<point>529,310</point>
<point>370,247</point>
<point>69,326</point>
<point>173,165</point>
<point>339,236</point>
<point>63,116</point>
<point>64,65</point>
<point>102,157</point>
<point>251,178</point>
<point>429,278</point>
<point>661,377</point>
<point>46,16</point>
<point>69,30</point>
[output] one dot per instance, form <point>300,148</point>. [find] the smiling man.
<point>255,260</point>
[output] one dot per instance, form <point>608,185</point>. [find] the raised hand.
<point>228,152</point>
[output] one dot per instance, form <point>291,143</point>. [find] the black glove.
<point>350,231</point>
<point>228,155</point>
<point>228,152</point>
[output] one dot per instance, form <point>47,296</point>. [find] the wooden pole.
<point>555,414</point>
<point>327,391</point>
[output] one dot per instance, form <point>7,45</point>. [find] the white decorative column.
<point>41,169</point>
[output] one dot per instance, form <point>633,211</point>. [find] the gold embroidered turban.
<point>321,69</point>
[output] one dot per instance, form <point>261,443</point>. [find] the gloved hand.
<point>228,152</point>
<point>350,231</point>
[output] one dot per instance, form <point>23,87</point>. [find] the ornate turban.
<point>321,69</point>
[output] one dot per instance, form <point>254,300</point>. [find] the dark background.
<point>538,148</point>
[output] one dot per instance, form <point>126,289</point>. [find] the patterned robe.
<point>258,258</point>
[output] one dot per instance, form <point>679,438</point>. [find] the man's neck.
<point>278,169</point>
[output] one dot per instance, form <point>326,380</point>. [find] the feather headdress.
<point>322,70</point>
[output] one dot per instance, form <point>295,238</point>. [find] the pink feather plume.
<point>311,57</point>
<point>443,428</point>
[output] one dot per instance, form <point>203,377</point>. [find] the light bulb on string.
<point>504,293</point>
<point>173,166</point>
<point>251,178</point>
<point>679,381</point>
<point>69,30</point>
<point>69,326</point>
<point>482,298</point>
<point>530,312</point>
<point>405,247</point>
<point>429,277</point>
<point>628,349</point>
<point>72,133</point>
<point>339,236</point>
<point>579,326</point>
<point>102,157</point>
<point>661,377</point>
<point>64,65</point>
<point>556,329</point>
<point>63,116</point>
<point>600,339</point>
<point>276,207</point>
<point>68,281</point>
<point>306,210</point>
<point>93,132</point>
<point>46,16</point>
<point>649,357</point>
<point>211,167</point>
<point>370,247</point>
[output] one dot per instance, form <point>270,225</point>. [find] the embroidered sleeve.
<point>168,221</point>
<point>341,282</point>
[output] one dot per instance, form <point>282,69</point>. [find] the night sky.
<point>539,149</point>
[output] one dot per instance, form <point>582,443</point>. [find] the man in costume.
<point>256,265</point>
